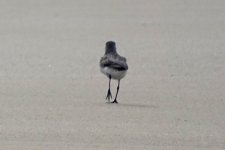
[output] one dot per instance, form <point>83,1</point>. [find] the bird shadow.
<point>135,105</point>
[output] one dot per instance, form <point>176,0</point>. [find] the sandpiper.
<point>113,66</point>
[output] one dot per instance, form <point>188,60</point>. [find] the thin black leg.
<point>109,95</point>
<point>118,87</point>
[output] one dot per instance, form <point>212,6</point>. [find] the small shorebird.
<point>113,66</point>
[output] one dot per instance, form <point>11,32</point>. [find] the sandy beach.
<point>52,94</point>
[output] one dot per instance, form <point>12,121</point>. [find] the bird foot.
<point>115,101</point>
<point>109,95</point>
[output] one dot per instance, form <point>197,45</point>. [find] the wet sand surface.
<point>52,94</point>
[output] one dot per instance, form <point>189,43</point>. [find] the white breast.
<point>115,74</point>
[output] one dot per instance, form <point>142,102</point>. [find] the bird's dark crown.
<point>110,47</point>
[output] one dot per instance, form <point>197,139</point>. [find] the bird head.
<point>110,47</point>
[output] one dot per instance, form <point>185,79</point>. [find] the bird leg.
<point>118,87</point>
<point>109,95</point>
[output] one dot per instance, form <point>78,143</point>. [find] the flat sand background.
<point>52,94</point>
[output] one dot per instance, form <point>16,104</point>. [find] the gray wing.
<point>117,64</point>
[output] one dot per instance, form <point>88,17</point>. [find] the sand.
<point>52,94</point>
